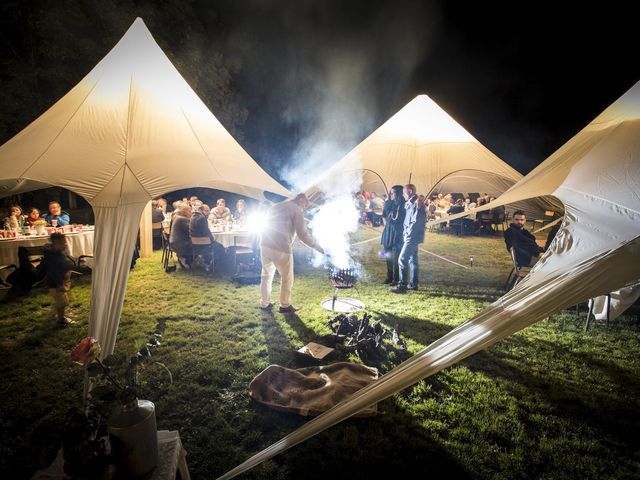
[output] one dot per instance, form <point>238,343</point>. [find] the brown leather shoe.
<point>289,309</point>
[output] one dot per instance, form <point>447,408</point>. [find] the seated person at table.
<point>241,212</point>
<point>157,217</point>
<point>56,213</point>
<point>179,238</point>
<point>199,223</point>
<point>156,212</point>
<point>458,207</point>
<point>468,204</point>
<point>162,204</point>
<point>456,223</point>
<point>34,216</point>
<point>431,209</point>
<point>376,204</point>
<point>447,201</point>
<point>58,274</point>
<point>15,220</point>
<point>527,251</point>
<point>220,214</point>
<point>199,231</point>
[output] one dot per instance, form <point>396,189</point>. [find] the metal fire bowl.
<point>342,305</point>
<point>343,277</point>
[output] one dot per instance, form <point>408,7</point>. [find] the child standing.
<point>58,275</point>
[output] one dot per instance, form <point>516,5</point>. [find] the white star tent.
<point>422,144</point>
<point>130,131</point>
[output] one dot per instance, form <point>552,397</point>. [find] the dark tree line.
<point>47,47</point>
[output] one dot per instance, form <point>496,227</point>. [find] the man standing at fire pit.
<point>413,235</point>
<point>284,221</point>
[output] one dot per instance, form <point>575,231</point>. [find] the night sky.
<point>316,77</point>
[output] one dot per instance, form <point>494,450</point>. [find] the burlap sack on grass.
<point>313,390</point>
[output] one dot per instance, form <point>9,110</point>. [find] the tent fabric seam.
<point>61,130</point>
<point>199,142</point>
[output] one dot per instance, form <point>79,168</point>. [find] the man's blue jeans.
<point>408,263</point>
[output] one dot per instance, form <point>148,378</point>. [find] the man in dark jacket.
<point>527,251</point>
<point>201,237</point>
<point>413,235</point>
<point>179,238</point>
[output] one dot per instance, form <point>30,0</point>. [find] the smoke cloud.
<point>333,59</point>
<point>321,65</point>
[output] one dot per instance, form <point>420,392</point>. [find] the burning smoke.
<point>336,219</point>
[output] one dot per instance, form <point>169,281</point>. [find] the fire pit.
<point>342,278</point>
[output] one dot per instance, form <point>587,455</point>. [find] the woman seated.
<point>179,238</point>
<point>220,214</point>
<point>34,216</point>
<point>376,205</point>
<point>15,220</point>
<point>241,212</point>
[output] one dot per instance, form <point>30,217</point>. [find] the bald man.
<point>284,222</point>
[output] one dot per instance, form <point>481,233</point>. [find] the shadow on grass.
<point>279,347</point>
<point>564,393</point>
<point>567,397</point>
<point>304,333</point>
<point>372,448</point>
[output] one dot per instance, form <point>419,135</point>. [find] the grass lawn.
<point>548,402</point>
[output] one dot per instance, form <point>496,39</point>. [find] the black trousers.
<point>393,270</point>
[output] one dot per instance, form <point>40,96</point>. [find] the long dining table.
<point>78,243</point>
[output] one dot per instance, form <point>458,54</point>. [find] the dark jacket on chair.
<point>524,244</point>
<point>199,226</point>
<point>156,215</point>
<point>179,238</point>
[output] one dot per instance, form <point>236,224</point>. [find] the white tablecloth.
<point>78,243</point>
<point>233,238</point>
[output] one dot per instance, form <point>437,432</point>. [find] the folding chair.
<point>202,248</point>
<point>4,286</point>
<point>590,312</point>
<point>6,270</point>
<point>517,273</point>
<point>498,219</point>
<point>455,226</point>
<point>165,246</point>
<point>156,234</point>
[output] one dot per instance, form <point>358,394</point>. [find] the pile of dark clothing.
<point>361,336</point>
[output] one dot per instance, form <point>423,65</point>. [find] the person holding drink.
<point>15,221</point>
<point>56,217</point>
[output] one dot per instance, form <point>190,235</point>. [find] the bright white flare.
<point>256,223</point>
<point>331,227</point>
